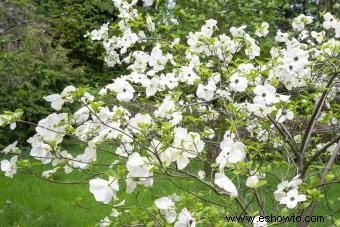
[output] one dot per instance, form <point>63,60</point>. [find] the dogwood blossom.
<point>281,37</point>
<point>105,222</point>
<point>98,34</point>
<point>188,75</point>
<point>206,92</point>
<point>166,205</point>
<point>283,115</point>
<point>104,190</point>
<point>318,36</point>
<point>292,198</point>
<point>148,2</point>
<point>138,168</point>
<point>232,152</point>
<point>265,95</point>
<point>300,21</point>
<point>11,148</point>
<point>52,128</point>
<point>252,181</point>
<point>286,186</point>
<point>187,145</point>
<point>222,181</point>
<point>140,122</point>
<point>262,30</point>
<point>185,219</point>
<point>57,101</point>
<point>329,21</point>
<point>157,60</point>
<point>238,83</point>
<point>9,166</point>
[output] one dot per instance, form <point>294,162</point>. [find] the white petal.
<point>224,182</point>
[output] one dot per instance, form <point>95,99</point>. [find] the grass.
<point>28,201</point>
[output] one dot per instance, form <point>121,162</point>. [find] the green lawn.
<point>28,201</point>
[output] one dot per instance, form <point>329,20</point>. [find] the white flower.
<point>57,100</point>
<point>195,43</point>
<point>10,148</point>
<point>140,63</point>
<point>105,222</point>
<point>252,50</point>
<point>152,86</point>
<point>104,191</point>
<point>140,122</point>
<point>300,21</point>
<point>148,2</point>
<point>138,167</point>
<point>185,219</point>
<point>292,199</point>
<point>245,67</point>
<point>166,108</point>
<point>265,95</point>
<point>232,152</point>
<point>295,59</point>
<point>169,80</point>
<point>115,212</point>
<point>206,92</point>
<point>82,114</point>
<point>49,173</point>
<point>285,186</point>
<point>303,35</point>
<point>259,222</point>
<point>82,161</point>
<point>188,75</point>
<point>166,206</point>
<point>225,183</point>
<point>13,125</point>
<point>157,60</point>
<point>123,89</point>
<point>238,83</point>
<point>208,29</point>
<point>281,37</point>
<point>227,44</point>
<point>262,30</point>
<point>164,203</point>
<point>283,115</point>
<point>201,174</point>
<point>150,23</point>
<point>98,34</point>
<point>188,145</point>
<point>238,32</point>
<point>9,167</point>
<point>329,21</point>
<point>260,110</point>
<point>52,128</point>
<point>175,22</point>
<point>176,118</point>
<point>318,36</point>
<point>252,181</point>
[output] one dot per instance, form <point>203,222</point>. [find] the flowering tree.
<point>215,125</point>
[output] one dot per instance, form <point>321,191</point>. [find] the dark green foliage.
<point>69,21</point>
<point>31,68</point>
<point>43,49</point>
